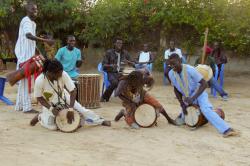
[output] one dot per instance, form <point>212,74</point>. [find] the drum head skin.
<point>145,116</point>
<point>62,122</point>
<point>127,70</point>
<point>206,71</point>
<point>192,118</point>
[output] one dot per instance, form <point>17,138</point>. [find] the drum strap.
<point>184,88</point>
<point>38,68</point>
<point>59,92</point>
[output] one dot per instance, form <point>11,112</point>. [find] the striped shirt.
<point>25,48</point>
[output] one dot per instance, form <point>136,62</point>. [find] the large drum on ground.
<point>89,90</point>
<point>62,121</point>
<point>195,118</point>
<point>33,65</point>
<point>145,116</point>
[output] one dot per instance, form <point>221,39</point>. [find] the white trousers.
<point>47,119</point>
<point>23,100</point>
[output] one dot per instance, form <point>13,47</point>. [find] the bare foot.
<point>32,111</point>
<point>106,123</point>
<point>34,121</point>
<point>119,115</point>
<point>230,132</point>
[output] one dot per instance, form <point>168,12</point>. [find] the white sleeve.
<point>179,53</point>
<point>27,26</point>
<point>38,88</point>
<point>68,82</point>
<point>166,54</point>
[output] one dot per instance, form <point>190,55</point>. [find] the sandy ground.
<point>119,145</point>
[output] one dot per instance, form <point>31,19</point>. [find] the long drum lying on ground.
<point>89,90</point>
<point>34,64</point>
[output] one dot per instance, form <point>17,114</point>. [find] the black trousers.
<point>114,80</point>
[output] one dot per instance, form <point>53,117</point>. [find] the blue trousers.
<point>214,84</point>
<point>212,117</point>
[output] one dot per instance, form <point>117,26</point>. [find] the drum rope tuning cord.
<point>88,89</point>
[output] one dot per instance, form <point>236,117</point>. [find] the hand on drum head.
<point>188,100</point>
<point>184,108</point>
<point>70,116</point>
<point>133,106</point>
<point>55,111</point>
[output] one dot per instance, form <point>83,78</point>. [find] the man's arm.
<point>179,98</point>
<point>106,63</point>
<point>152,57</point>
<point>43,102</point>
<point>39,39</point>
<point>79,59</point>
<point>70,87</point>
<point>72,98</point>
<point>128,59</point>
<point>119,92</point>
<point>202,87</point>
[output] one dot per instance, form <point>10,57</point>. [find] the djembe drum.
<point>145,116</point>
<point>195,118</point>
<point>89,90</point>
<point>62,121</point>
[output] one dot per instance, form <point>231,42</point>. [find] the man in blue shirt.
<point>70,57</point>
<point>189,88</point>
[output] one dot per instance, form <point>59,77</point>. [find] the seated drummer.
<point>130,91</point>
<point>189,88</point>
<point>112,64</point>
<point>70,57</point>
<point>49,91</point>
<point>145,58</point>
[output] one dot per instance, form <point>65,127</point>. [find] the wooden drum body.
<point>89,90</point>
<point>195,118</point>
<point>33,65</point>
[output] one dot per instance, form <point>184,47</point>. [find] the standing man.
<point>172,49</point>
<point>220,60</point>
<point>24,50</point>
<point>111,63</point>
<point>70,57</point>
<point>212,82</point>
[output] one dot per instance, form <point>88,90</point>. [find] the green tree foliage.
<point>138,21</point>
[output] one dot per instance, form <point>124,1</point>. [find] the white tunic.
<point>45,89</point>
<point>144,56</point>
<point>25,48</point>
<point>176,51</point>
